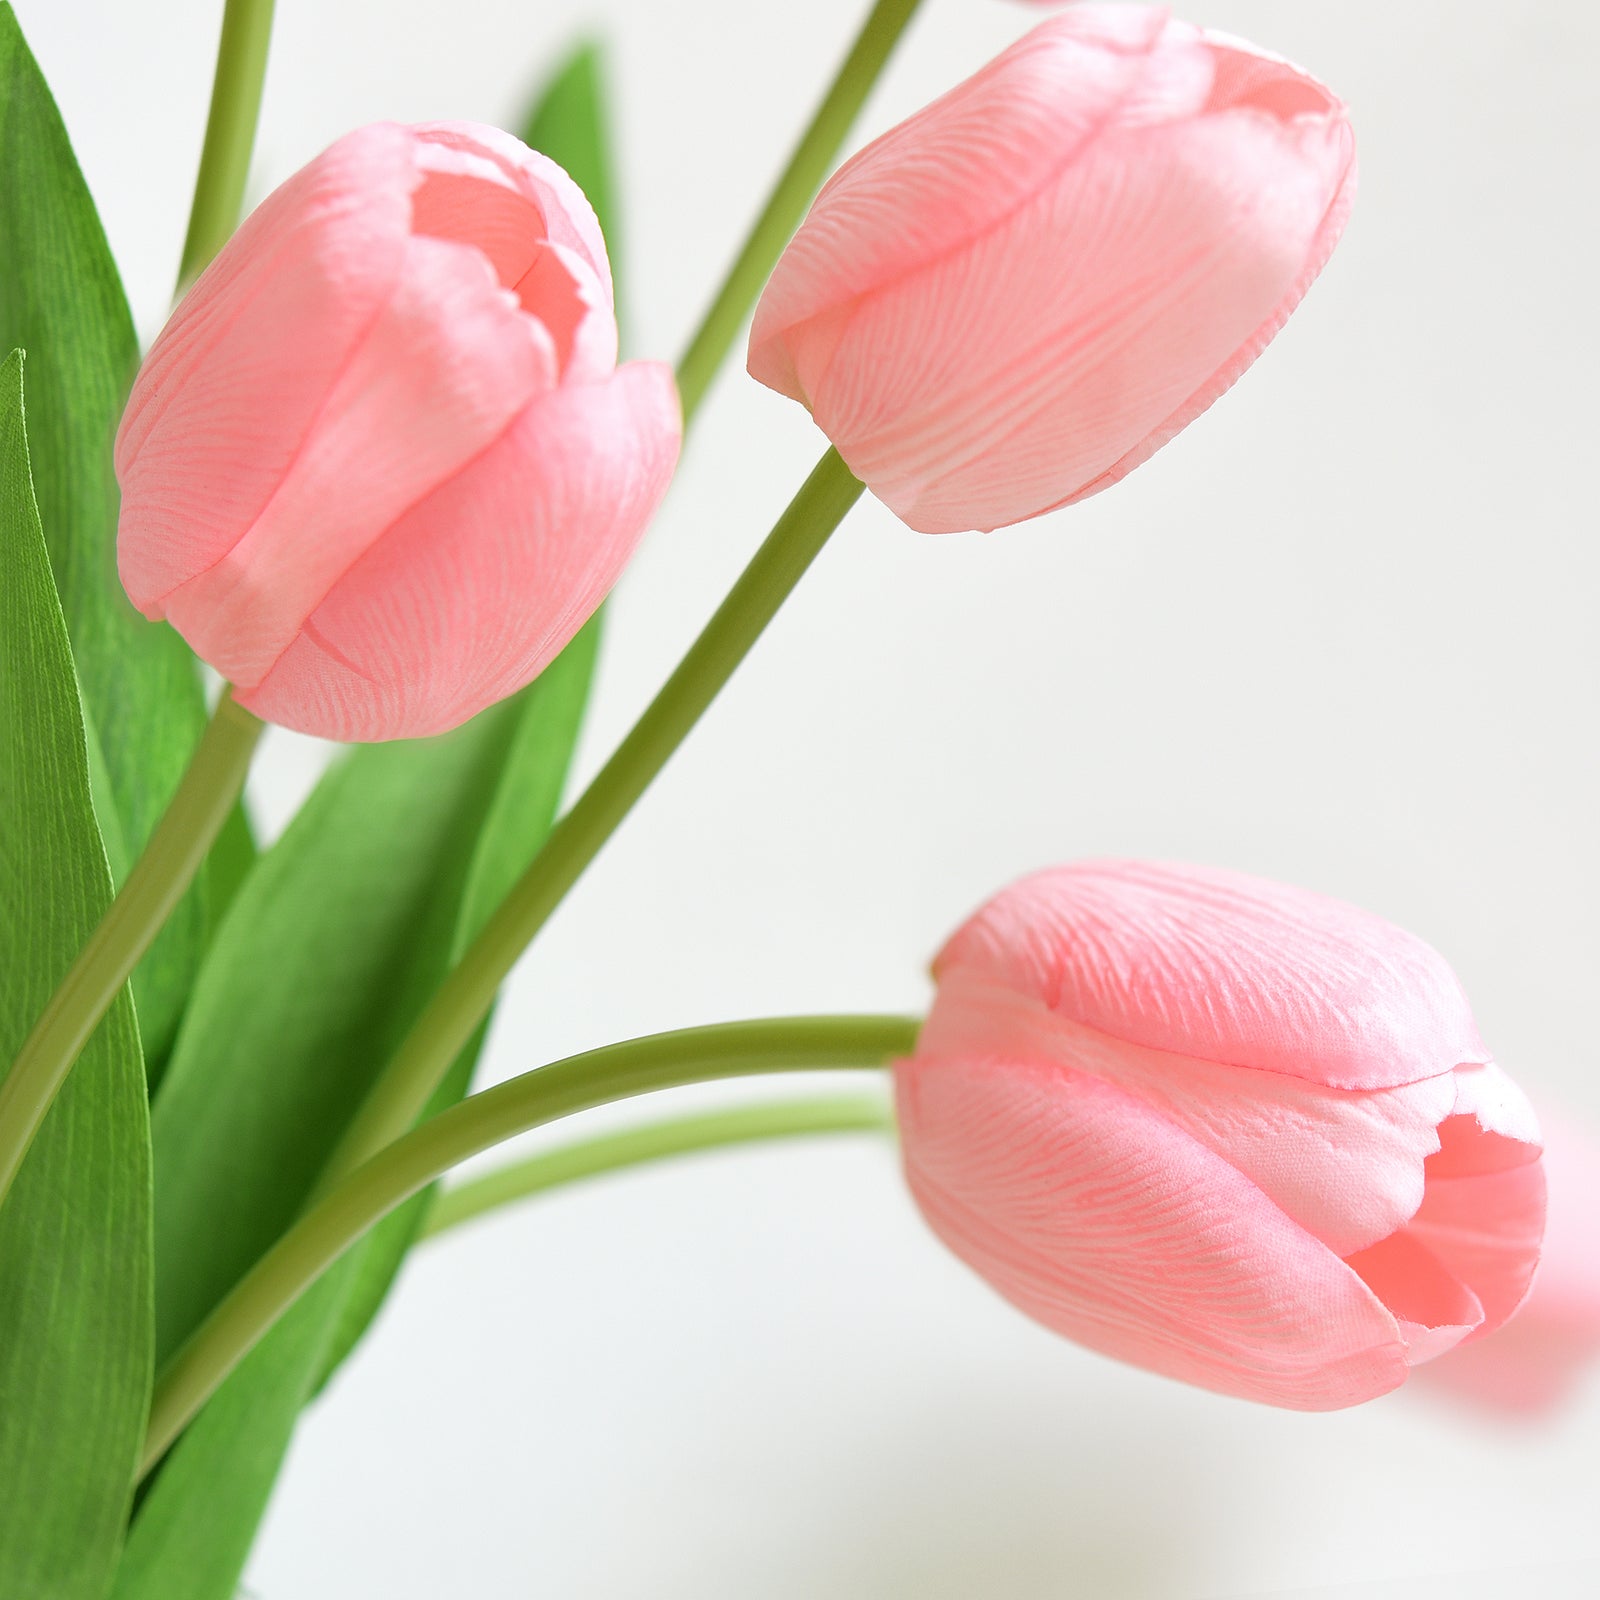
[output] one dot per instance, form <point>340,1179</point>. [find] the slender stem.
<point>656,1141</point>
<point>124,933</point>
<point>466,994</point>
<point>367,1195</point>
<point>230,132</point>
<point>801,179</point>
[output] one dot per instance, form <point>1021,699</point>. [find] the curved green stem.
<point>371,1192</point>
<point>230,132</point>
<point>464,998</point>
<point>133,919</point>
<point>656,1141</point>
<point>801,179</point>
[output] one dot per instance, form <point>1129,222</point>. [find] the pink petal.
<point>955,170</point>
<point>1535,1361</point>
<point>1567,1288</point>
<point>445,368</point>
<point>1435,1310</point>
<point>476,589</point>
<point>570,222</point>
<point>230,390</point>
<point>1486,1228</point>
<point>1226,968</point>
<point>1346,1165</point>
<point>486,189</point>
<point>1103,1220</point>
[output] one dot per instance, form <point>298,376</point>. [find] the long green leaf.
<point>62,302</point>
<point>413,845</point>
<point>75,1259</point>
<point>330,949</point>
<point>517,824</point>
<point>298,1002</point>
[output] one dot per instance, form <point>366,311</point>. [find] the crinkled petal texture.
<point>1012,299</point>
<point>390,411</point>
<point>1534,1363</point>
<point>1226,1129</point>
<point>475,590</point>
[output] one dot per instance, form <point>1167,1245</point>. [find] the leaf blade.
<point>76,1336</point>
<point>61,300</point>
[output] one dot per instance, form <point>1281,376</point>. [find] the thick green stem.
<point>801,179</point>
<point>367,1195</point>
<point>656,1141</point>
<point>464,998</point>
<point>133,919</point>
<point>230,132</point>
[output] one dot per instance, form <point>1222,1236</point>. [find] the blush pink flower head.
<point>1017,296</point>
<point>1224,1129</point>
<point>381,463</point>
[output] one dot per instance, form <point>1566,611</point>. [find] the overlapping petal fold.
<point>1109,1224</point>
<point>229,392</point>
<point>433,621</point>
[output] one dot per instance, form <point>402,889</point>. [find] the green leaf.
<point>75,1267</point>
<point>229,864</point>
<point>333,944</point>
<point>193,1533</point>
<point>327,955</point>
<point>518,822</point>
<point>61,301</point>
<point>304,992</point>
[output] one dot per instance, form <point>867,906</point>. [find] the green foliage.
<point>519,820</point>
<point>194,1529</point>
<point>62,302</point>
<point>328,953</point>
<point>75,1268</point>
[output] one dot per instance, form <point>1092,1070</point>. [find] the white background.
<point>1341,632</point>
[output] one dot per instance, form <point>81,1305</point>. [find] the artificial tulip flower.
<point>382,463</point>
<point>1012,299</point>
<point>1537,1361</point>
<point>1221,1128</point>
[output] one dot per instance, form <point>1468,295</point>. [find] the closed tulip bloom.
<point>1012,299</point>
<point>381,463</point>
<point>1536,1363</point>
<point>1227,1130</point>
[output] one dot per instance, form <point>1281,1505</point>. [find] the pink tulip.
<point>1534,1363</point>
<point>381,463</point>
<point>1011,300</point>
<point>1227,1130</point>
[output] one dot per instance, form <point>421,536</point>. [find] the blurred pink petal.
<point>1532,1365</point>
<point>1015,297</point>
<point>1321,1058</point>
<point>419,305</point>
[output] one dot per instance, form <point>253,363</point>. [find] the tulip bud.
<point>381,463</point>
<point>1227,1130</point>
<point>1017,296</point>
<point>1538,1360</point>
